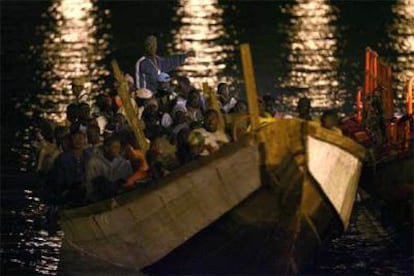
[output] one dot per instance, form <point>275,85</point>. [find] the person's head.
<point>78,85</point>
<point>240,107</point>
<point>164,81</point>
<point>142,96</point>
<point>120,121</point>
<point>329,119</point>
<point>78,140</point>
<point>180,117</point>
<point>211,118</point>
<point>72,112</point>
<point>103,102</point>
<point>184,85</point>
<point>269,104</point>
<point>93,134</point>
<point>45,129</point>
<point>150,45</point>
<point>303,108</point>
<point>193,99</point>
<point>59,133</point>
<point>112,147</point>
<point>84,111</point>
<point>196,142</point>
<point>223,89</point>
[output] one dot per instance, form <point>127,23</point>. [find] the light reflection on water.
<point>200,27</point>
<point>401,33</point>
<point>74,47</point>
<point>312,62</point>
<point>71,49</point>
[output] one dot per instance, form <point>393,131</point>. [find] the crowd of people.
<point>96,155</point>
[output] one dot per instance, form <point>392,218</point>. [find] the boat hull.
<point>275,209</point>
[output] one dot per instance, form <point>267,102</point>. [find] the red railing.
<point>378,80</point>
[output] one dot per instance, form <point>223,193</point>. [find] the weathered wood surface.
<point>131,117</point>
<point>141,230</point>
<point>265,194</point>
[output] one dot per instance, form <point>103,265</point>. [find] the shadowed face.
<point>211,122</point>
<point>151,45</point>
<point>112,150</point>
<point>330,122</point>
<point>78,141</point>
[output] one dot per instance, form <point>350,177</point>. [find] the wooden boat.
<point>263,204</point>
<point>388,171</point>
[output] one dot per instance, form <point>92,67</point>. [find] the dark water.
<point>312,48</point>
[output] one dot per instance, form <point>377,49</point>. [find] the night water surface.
<point>313,48</point>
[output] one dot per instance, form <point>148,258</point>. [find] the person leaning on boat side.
<point>303,108</point>
<point>107,170</point>
<point>69,173</point>
<point>329,120</point>
<point>148,67</point>
<point>213,138</point>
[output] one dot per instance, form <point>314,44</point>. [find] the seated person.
<point>94,139</point>
<point>227,102</point>
<point>48,151</point>
<point>69,173</point>
<point>213,138</point>
<point>329,120</point>
<point>107,170</point>
<point>161,156</point>
<point>193,106</point>
<point>184,153</point>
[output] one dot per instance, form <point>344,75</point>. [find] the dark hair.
<point>220,86</point>
<point>111,139</point>
<point>329,113</point>
<point>183,80</point>
<point>210,112</point>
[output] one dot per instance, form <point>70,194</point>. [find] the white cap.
<point>143,93</point>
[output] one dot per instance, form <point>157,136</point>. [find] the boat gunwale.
<point>138,192</point>
<point>312,129</point>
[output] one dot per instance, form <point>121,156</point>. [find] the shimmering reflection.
<point>201,28</point>
<point>28,245</point>
<point>312,61</point>
<point>401,33</point>
<point>73,48</point>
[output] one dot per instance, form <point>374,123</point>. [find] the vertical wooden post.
<point>250,85</point>
<point>374,71</point>
<point>359,105</point>
<point>409,107</point>
<point>213,104</point>
<point>389,95</point>
<point>409,97</point>
<point>367,73</point>
<point>129,110</point>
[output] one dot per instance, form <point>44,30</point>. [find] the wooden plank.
<point>250,82</point>
<point>173,212</point>
<point>131,117</point>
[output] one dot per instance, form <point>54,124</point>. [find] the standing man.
<point>150,66</point>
